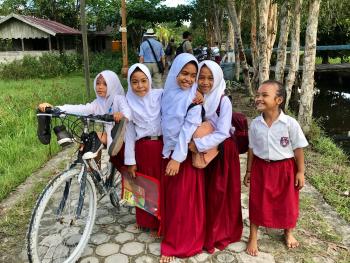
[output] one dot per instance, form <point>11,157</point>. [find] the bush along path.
<point>324,236</point>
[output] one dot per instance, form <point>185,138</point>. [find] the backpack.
<point>240,136</point>
<point>180,48</point>
<point>168,50</point>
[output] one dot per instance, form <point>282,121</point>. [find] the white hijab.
<point>212,99</point>
<point>145,110</point>
<point>114,87</point>
<point>175,101</point>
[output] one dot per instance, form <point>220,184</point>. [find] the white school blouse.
<point>222,127</point>
<point>277,142</point>
<point>179,142</point>
<point>119,105</point>
<point>135,132</point>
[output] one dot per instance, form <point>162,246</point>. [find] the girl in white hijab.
<point>143,141</point>
<point>222,175</point>
<point>110,99</point>
<point>183,186</point>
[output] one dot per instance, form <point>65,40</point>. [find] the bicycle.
<point>64,215</point>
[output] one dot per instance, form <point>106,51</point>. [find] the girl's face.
<point>187,76</point>
<point>139,83</point>
<point>205,80</point>
<point>101,86</point>
<point>266,98</point>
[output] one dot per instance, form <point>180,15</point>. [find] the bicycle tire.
<point>62,239</point>
<point>115,194</point>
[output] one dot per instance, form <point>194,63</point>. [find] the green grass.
<point>20,150</point>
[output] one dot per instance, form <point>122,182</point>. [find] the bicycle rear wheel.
<point>62,238</point>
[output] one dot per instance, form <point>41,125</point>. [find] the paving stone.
<point>237,247</point>
<point>245,213</point>
<point>124,237</point>
<point>102,212</point>
<point>105,220</point>
<point>200,258</point>
<point>51,241</point>
<point>146,259</point>
<point>261,258</point>
<point>132,248</point>
<point>108,249</point>
<point>99,239</point>
<point>322,260</point>
<point>73,240</point>
<point>145,238</point>
<point>223,257</point>
<point>87,251</point>
<point>117,229</point>
<point>132,229</point>
<point>117,258</point>
<point>271,245</point>
<point>90,260</point>
<point>127,219</point>
<point>154,249</point>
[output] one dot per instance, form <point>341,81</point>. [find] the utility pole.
<point>85,47</point>
<point>123,30</point>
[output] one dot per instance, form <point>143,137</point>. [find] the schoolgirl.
<point>143,141</point>
<point>110,99</point>
<point>183,215</point>
<point>275,166</point>
<point>222,175</point>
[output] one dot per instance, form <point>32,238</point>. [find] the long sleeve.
<point>83,109</point>
<point>191,123</point>
<point>130,137</point>
<point>120,104</point>
<point>222,126</point>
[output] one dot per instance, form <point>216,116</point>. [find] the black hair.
<point>281,91</point>
<point>137,69</point>
<point>186,34</point>
<point>193,63</point>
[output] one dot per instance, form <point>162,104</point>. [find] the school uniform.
<point>183,214</point>
<point>143,141</point>
<point>222,175</point>
<point>274,198</point>
<point>113,102</point>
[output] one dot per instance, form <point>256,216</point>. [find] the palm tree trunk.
<point>263,7</point>
<point>253,45</point>
<point>271,30</point>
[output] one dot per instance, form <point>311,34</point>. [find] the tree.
<point>264,67</point>
<point>294,51</point>
<point>307,86</point>
<point>253,43</point>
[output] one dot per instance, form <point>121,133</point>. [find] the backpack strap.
<point>202,112</point>
<point>218,109</point>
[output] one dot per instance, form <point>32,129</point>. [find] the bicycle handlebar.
<point>56,112</point>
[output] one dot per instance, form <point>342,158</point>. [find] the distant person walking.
<point>170,52</point>
<point>150,58</point>
<point>185,46</point>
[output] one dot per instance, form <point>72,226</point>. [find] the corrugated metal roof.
<point>49,26</point>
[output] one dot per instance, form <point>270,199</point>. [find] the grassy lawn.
<point>20,150</point>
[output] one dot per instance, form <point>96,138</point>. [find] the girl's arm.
<point>83,109</point>
<point>129,158</point>
<point>299,159</point>
<point>191,123</point>
<point>246,180</point>
<point>222,128</point>
<point>121,108</point>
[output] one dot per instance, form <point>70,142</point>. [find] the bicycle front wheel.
<point>55,233</point>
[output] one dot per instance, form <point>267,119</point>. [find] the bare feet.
<point>166,259</point>
<point>291,242</point>
<point>252,246</point>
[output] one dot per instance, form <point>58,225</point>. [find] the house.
<point>25,35</point>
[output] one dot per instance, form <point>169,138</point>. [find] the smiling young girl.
<point>275,166</point>
<point>222,175</point>
<point>184,211</point>
<point>143,141</point>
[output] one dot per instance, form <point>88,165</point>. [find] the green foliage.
<point>20,150</point>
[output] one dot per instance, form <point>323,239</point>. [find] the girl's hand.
<point>246,179</point>
<point>43,106</point>
<point>117,116</point>
<point>299,180</point>
<point>192,147</point>
<point>131,170</point>
<point>172,168</point>
<point>199,99</point>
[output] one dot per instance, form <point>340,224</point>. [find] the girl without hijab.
<point>222,175</point>
<point>183,215</point>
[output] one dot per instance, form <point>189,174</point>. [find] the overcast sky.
<point>175,2</point>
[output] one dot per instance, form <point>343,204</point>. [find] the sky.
<point>175,2</point>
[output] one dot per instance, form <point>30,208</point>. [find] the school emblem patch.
<point>284,141</point>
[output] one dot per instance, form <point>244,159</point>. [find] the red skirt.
<point>224,223</point>
<point>273,197</point>
<point>183,216</point>
<point>148,154</point>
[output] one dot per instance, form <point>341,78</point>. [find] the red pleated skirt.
<point>224,223</point>
<point>183,215</point>
<point>148,154</point>
<point>273,197</point>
